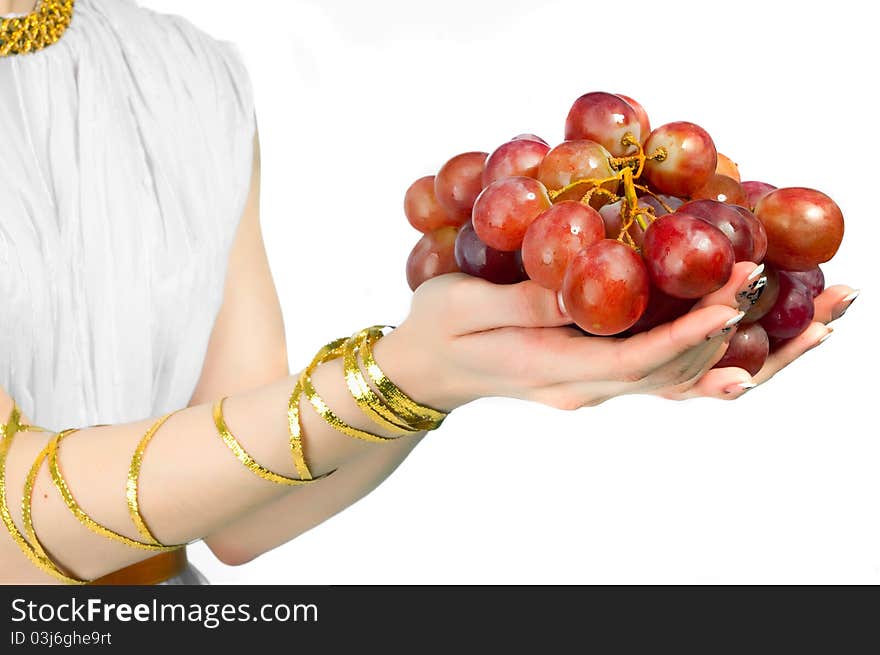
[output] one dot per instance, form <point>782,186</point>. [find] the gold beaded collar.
<point>34,31</point>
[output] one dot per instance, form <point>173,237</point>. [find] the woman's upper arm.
<point>247,347</point>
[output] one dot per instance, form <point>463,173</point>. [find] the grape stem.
<point>626,169</point>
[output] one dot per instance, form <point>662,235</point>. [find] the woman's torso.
<point>125,158</point>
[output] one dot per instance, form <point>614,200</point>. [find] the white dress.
<point>125,161</point>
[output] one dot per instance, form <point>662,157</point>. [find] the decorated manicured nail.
<point>843,305</point>
<point>750,294</point>
<point>561,303</point>
<point>740,387</point>
<point>825,336</point>
<point>758,270</point>
<point>727,327</point>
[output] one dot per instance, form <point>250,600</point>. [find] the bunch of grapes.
<point>631,225</point>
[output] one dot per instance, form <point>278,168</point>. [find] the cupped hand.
<point>466,338</point>
<point>731,382</point>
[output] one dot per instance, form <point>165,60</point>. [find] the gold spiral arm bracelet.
<point>37,558</point>
<point>69,500</point>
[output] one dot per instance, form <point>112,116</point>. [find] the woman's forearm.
<point>191,484</point>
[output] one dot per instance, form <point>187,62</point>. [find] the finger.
<point>639,356</point>
<point>684,373</point>
<point>480,305</point>
<point>833,302</point>
<point>732,294</point>
<point>815,334</point>
<point>726,383</point>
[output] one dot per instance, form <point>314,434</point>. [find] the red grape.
<point>690,160</point>
<point>723,189</point>
<point>476,258</point>
<point>659,210</point>
<point>506,208</point>
<point>759,234</point>
<point>734,225</point>
<point>459,182</point>
<point>517,157</point>
<point>804,227</point>
<point>422,209</point>
<point>530,137</point>
<point>726,166</point>
<point>662,308</point>
<point>792,312</point>
<point>604,118</point>
<point>641,114</point>
<point>606,288</point>
<point>813,279</point>
<point>433,255</point>
<point>555,237</point>
<point>748,348</point>
<point>763,301</point>
<point>614,222</point>
<point>755,191</point>
<point>687,257</point>
<point>576,160</point>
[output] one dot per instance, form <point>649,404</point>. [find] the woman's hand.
<point>731,382</point>
<point>466,338</point>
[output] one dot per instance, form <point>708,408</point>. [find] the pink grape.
<point>576,160</point>
<point>614,222</point>
<point>433,255</point>
<point>476,258</point>
<point>734,225</point>
<point>530,137</point>
<point>641,114</point>
<point>813,279</point>
<point>604,118</point>
<point>505,209</point>
<point>804,227</point>
<point>687,257</point>
<point>792,312</point>
<point>755,191</point>
<point>748,349</point>
<point>606,288</point>
<point>555,237</point>
<point>723,189</point>
<point>422,209</point>
<point>726,166</point>
<point>517,157</point>
<point>459,182</point>
<point>759,234</point>
<point>690,160</point>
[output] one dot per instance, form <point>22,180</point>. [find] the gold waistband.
<point>149,571</point>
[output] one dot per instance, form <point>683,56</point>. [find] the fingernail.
<point>752,292</point>
<point>561,304</point>
<point>758,270</point>
<point>727,327</point>
<point>740,387</point>
<point>825,337</point>
<point>844,304</point>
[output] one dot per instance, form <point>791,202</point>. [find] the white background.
<point>357,99</point>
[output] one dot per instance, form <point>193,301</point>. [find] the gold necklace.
<point>42,27</point>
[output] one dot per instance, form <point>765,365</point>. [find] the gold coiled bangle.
<point>416,414</point>
<point>370,404</point>
<point>242,455</point>
<point>37,557</point>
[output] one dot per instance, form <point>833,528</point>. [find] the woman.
<point>140,308</point>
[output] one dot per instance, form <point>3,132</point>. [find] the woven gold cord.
<point>77,511</point>
<point>40,28</point>
<point>37,557</point>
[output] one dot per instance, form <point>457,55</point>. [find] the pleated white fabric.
<point>125,160</point>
